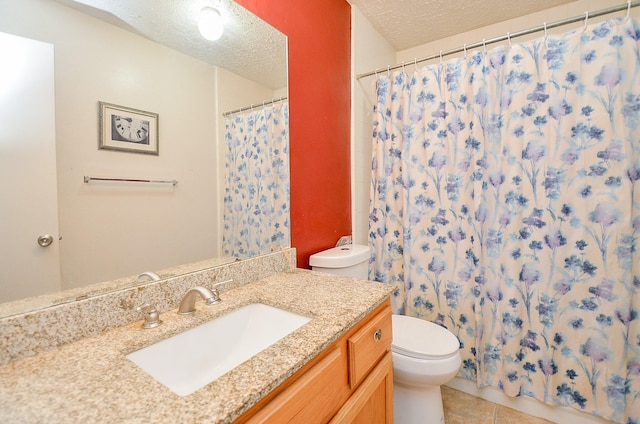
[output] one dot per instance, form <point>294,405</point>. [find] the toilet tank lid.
<point>341,256</point>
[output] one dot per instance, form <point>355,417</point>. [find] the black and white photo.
<point>127,129</point>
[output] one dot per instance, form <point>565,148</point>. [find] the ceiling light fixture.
<point>210,23</point>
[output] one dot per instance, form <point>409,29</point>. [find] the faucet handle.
<point>151,316</point>
<point>215,298</point>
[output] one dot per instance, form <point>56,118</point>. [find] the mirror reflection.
<point>150,59</point>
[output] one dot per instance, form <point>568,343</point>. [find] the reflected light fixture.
<point>210,23</point>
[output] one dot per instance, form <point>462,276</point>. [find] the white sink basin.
<point>190,360</point>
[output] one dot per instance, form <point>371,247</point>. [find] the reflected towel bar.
<point>130,180</point>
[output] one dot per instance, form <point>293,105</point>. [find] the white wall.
<point>111,230</point>
<point>365,38</point>
<point>369,51</point>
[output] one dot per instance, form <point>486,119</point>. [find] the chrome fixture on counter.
<point>188,303</point>
<point>151,316</point>
<point>150,274</point>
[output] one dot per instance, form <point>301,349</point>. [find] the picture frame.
<point>127,130</point>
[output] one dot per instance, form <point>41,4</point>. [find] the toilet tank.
<point>351,260</point>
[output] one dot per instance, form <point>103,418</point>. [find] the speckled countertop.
<point>91,380</point>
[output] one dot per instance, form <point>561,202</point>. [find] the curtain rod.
<point>242,109</point>
<point>627,6</point>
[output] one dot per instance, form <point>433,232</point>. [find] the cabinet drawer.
<point>368,345</point>
<point>313,398</point>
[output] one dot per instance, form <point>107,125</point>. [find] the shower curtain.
<point>256,201</point>
<point>503,207</point>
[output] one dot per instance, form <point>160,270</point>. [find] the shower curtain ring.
<point>628,8</point>
<point>440,56</point>
<point>586,19</point>
<point>388,70</point>
<point>415,63</point>
<point>545,31</point>
<point>484,45</point>
<point>509,38</point>
<point>464,46</point>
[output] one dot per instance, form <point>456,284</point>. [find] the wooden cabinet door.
<point>313,398</point>
<point>352,381</point>
<point>372,402</point>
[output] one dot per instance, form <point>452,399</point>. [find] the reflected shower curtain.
<point>503,207</point>
<point>256,202</point>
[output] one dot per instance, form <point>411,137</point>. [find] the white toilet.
<point>425,355</point>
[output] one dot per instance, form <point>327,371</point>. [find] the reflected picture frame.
<point>127,129</point>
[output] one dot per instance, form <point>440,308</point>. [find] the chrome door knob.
<point>45,240</point>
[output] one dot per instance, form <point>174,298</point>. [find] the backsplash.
<point>33,332</point>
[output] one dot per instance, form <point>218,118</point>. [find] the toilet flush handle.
<point>377,336</point>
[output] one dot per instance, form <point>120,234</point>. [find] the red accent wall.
<point>319,33</point>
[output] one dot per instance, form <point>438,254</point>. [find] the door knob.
<point>45,240</point>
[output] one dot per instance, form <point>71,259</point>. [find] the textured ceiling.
<point>410,23</point>
<point>249,47</point>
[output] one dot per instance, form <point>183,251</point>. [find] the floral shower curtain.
<point>503,207</point>
<point>256,202</point>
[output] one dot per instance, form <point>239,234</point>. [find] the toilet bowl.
<point>425,356</point>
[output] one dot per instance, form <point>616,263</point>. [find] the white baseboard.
<point>527,405</point>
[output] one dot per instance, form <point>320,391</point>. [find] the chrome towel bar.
<point>130,180</point>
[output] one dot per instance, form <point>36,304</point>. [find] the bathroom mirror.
<point>145,56</point>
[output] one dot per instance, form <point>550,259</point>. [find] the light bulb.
<point>210,24</point>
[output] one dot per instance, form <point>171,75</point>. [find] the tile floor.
<point>462,408</point>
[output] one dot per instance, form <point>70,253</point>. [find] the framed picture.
<point>128,130</point>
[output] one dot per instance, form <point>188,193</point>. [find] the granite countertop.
<point>91,380</point>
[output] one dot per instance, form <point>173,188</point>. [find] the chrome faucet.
<point>188,303</point>
<point>150,274</point>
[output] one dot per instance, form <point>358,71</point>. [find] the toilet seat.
<point>420,339</point>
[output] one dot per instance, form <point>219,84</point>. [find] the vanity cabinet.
<point>351,381</point>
